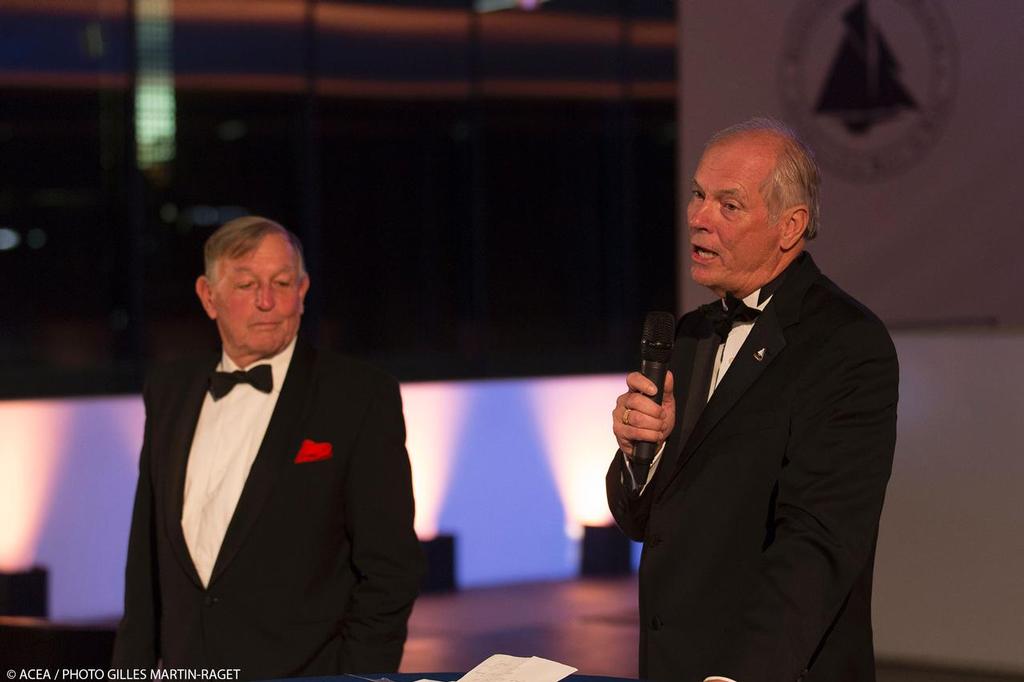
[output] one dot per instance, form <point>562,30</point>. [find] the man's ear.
<point>303,288</point>
<point>204,290</point>
<point>793,225</point>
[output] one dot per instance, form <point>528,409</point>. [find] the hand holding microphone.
<point>644,416</point>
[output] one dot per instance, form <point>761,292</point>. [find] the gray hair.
<point>242,236</point>
<point>794,180</point>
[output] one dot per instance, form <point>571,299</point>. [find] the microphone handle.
<point>643,451</point>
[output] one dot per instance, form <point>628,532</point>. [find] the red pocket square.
<point>311,451</point>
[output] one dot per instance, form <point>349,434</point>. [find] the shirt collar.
<point>753,300</point>
<point>278,364</point>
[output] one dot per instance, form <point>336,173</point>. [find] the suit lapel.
<point>276,451</point>
<point>765,342</point>
<point>183,430</point>
<point>692,374</point>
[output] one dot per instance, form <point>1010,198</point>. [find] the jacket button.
<point>656,623</point>
<point>654,541</point>
<point>211,600</point>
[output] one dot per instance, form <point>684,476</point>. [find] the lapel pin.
<point>759,355</point>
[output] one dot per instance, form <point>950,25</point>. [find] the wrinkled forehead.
<point>271,252</point>
<point>747,156</point>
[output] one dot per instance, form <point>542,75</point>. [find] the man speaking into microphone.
<point>773,442</point>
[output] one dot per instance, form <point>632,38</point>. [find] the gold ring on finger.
<point>625,416</point>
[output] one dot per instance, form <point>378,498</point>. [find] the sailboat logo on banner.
<point>870,84</point>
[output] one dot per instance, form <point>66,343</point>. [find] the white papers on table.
<point>504,668</point>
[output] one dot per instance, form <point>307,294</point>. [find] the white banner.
<point>915,109</point>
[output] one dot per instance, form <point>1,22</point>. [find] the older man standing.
<point>272,529</point>
<point>760,512</point>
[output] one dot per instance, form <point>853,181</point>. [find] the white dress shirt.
<point>227,437</point>
<point>728,351</point>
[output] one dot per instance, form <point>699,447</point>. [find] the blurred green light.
<point>9,239</point>
<point>155,127</point>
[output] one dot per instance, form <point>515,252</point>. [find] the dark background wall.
<point>475,189</point>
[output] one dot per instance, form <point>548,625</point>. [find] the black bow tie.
<point>259,377</point>
<point>723,314</point>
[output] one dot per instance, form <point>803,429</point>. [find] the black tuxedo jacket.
<point>319,566</point>
<point>760,523</point>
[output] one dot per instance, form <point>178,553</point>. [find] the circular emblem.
<point>870,85</point>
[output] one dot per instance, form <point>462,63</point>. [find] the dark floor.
<point>589,624</point>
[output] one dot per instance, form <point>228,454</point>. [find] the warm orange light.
<point>30,451</point>
<point>434,415</point>
<point>354,87</point>
<point>573,416</point>
<point>113,9</point>
<point>513,88</point>
<point>237,82</point>
<point>558,28</point>
<point>550,27</point>
<point>392,21</point>
<point>240,11</point>
<point>63,80</point>
<point>653,33</point>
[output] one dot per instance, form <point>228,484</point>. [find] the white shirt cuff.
<point>650,472</point>
<point>719,679</point>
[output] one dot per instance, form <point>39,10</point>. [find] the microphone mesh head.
<point>659,332</point>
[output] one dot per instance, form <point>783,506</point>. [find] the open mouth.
<point>703,254</point>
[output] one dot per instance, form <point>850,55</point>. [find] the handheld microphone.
<point>655,352</point>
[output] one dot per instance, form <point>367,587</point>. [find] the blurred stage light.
<point>36,238</point>
<point>232,130</point>
<point>572,414</point>
<point>9,239</point>
<point>484,6</point>
<point>434,416</point>
<point>33,434</point>
<point>155,104</point>
<point>169,213</point>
